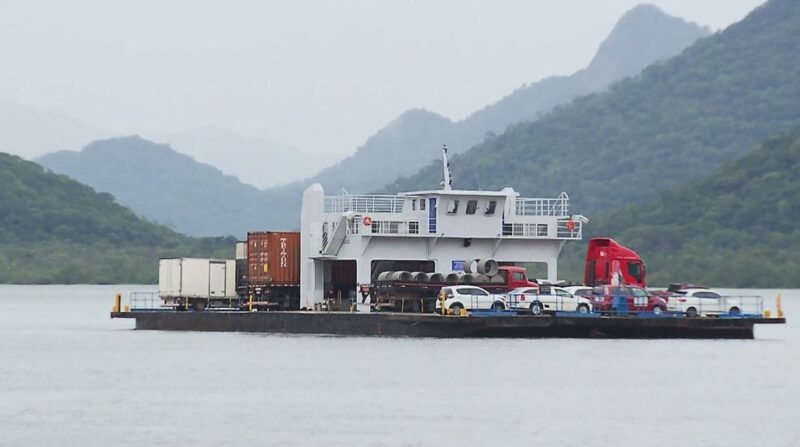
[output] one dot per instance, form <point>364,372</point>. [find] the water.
<point>71,376</point>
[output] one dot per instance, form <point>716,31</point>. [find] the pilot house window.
<point>490,207</point>
<point>472,206</point>
<point>452,208</point>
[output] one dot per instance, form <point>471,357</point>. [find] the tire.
<point>583,309</point>
<point>456,308</point>
<point>537,308</point>
<point>657,310</point>
<point>735,311</point>
<point>691,312</point>
<point>199,306</point>
<point>497,305</point>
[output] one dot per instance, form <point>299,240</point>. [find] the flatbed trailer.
<point>418,297</point>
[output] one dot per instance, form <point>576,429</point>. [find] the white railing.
<point>543,207</point>
<point>395,227</point>
<point>564,230</point>
<point>364,204</point>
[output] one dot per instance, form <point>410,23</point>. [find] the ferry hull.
<point>428,325</point>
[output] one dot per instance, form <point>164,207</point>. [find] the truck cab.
<point>609,262</point>
<point>516,277</point>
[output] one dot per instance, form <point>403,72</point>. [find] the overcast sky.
<point>318,75</point>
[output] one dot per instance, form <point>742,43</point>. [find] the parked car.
<point>547,299</point>
<point>637,299</point>
<point>700,301</point>
<point>584,291</point>
<point>469,298</point>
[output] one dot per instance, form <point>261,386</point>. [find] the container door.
<point>216,279</point>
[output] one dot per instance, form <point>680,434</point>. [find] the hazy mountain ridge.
<point>54,229</point>
<point>676,121</point>
<point>255,161</point>
<point>165,186</point>
<point>642,36</point>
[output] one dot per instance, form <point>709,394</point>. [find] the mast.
<point>447,184</point>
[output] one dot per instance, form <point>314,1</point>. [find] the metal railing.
<point>395,227</point>
<point>144,301</point>
<point>543,207</point>
<point>732,305</point>
<point>364,203</point>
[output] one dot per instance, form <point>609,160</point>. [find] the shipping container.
<point>241,250</point>
<point>197,278</point>
<point>273,258</point>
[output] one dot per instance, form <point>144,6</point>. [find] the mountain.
<point>255,161</point>
<point>54,229</point>
<point>167,187</point>
<point>675,122</point>
<point>736,228</point>
<point>30,132</point>
<point>642,36</point>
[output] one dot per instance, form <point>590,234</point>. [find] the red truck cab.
<point>605,257</point>
<point>516,277</point>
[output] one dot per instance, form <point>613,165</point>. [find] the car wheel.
<point>735,311</point>
<point>199,306</point>
<point>657,310</point>
<point>497,305</point>
<point>456,308</point>
<point>583,309</point>
<point>691,312</point>
<point>536,308</point>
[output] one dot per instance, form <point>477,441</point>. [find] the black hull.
<point>420,325</point>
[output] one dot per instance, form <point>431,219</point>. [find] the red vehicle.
<point>605,257</point>
<point>606,300</point>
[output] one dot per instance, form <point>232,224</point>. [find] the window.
<point>518,276</point>
<point>639,292</point>
<point>472,206</point>
<point>452,207</point>
<point>490,207</point>
<point>635,270</point>
<point>394,227</point>
<point>413,228</point>
<point>562,293</point>
<point>541,230</point>
<point>709,295</point>
<point>471,291</point>
<point>413,204</point>
<point>422,204</point>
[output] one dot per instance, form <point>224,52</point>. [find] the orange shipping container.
<point>273,258</point>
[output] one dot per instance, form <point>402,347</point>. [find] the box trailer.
<point>197,283</point>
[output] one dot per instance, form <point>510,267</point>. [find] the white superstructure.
<point>433,231</point>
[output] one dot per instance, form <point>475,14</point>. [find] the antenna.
<point>447,184</point>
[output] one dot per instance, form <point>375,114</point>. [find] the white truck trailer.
<point>194,283</point>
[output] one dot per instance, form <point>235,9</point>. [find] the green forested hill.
<point>676,121</point>
<point>54,229</point>
<point>737,228</point>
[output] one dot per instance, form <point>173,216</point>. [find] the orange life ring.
<point>571,225</point>
<point>367,221</point>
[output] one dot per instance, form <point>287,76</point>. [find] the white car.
<point>547,299</point>
<point>469,298</point>
<point>584,291</point>
<point>695,302</point>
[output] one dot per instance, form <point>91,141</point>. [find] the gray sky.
<point>318,75</point>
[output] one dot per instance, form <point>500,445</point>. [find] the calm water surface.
<point>71,376</point>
